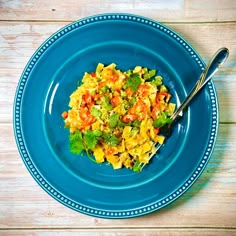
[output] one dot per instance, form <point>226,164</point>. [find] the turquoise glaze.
<point>52,74</point>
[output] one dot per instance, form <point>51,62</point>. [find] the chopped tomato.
<point>90,120</point>
<point>87,100</point>
<point>116,100</point>
<point>141,105</point>
<point>129,118</point>
<point>64,114</point>
<point>118,90</point>
<point>140,109</point>
<point>93,74</point>
<point>156,131</point>
<point>101,84</point>
<point>155,111</point>
<point>86,117</point>
<point>132,110</point>
<point>84,113</point>
<point>163,95</point>
<point>114,77</point>
<point>129,92</point>
<point>143,90</point>
<point>98,96</point>
<point>110,151</point>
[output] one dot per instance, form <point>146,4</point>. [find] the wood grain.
<point>23,204</point>
<point>20,40</point>
<point>173,11</point>
<point>121,232</point>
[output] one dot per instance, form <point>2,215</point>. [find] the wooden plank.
<point>171,11</point>
<point>20,40</point>
<point>209,203</point>
<point>121,232</point>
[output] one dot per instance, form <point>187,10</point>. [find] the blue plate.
<point>52,74</point>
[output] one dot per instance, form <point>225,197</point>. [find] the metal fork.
<point>212,67</point>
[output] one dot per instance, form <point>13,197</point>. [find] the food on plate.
<point>115,115</point>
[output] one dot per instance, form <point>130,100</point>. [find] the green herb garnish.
<point>133,82</point>
<point>162,120</point>
<point>110,139</point>
<point>90,140</point>
<point>84,141</point>
<point>113,121</point>
<point>136,166</point>
<point>136,123</point>
<point>76,142</point>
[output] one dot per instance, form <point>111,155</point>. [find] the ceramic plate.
<point>52,74</point>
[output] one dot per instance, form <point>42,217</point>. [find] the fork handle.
<point>212,67</point>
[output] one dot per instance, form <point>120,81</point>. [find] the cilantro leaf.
<point>114,118</point>
<point>136,123</point>
<point>97,132</point>
<point>121,123</point>
<point>133,82</point>
<point>110,139</point>
<point>90,140</point>
<point>76,142</point>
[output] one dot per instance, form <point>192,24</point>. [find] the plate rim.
<point>142,210</point>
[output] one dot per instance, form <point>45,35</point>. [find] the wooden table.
<point>208,208</point>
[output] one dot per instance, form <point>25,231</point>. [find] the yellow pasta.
<point>116,116</point>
